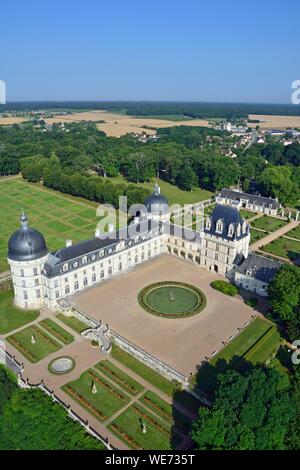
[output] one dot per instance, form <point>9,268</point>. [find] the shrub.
<point>224,287</point>
<point>252,302</point>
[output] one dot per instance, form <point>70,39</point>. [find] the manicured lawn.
<point>289,249</point>
<point>55,215</point>
<point>123,380</point>
<point>269,224</point>
<point>255,344</point>
<point>59,333</point>
<point>246,214</point>
<point>295,233</point>
<point>166,411</point>
<point>72,322</point>
<point>104,403</point>
<point>145,372</point>
<point>171,192</point>
<point>34,352</point>
<point>12,317</point>
<point>257,235</point>
<point>127,427</point>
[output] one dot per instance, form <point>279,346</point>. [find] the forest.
<point>185,156</point>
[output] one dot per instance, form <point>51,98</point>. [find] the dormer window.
<point>65,267</point>
<point>244,229</point>
<point>208,223</point>
<point>238,230</point>
<point>230,230</point>
<point>219,226</point>
<point>84,260</point>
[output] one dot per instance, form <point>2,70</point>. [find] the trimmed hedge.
<point>225,287</point>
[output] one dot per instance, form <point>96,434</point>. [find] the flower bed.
<point>128,439</point>
<point>97,379</point>
<point>85,403</point>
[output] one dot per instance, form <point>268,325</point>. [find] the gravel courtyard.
<point>181,343</point>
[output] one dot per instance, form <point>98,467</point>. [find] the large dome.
<point>26,244</point>
<point>157,204</point>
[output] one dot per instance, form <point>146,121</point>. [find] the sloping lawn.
<point>12,317</point>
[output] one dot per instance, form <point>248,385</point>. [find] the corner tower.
<point>157,205</point>
<point>27,254</point>
<point>225,240</point>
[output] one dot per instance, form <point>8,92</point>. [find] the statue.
<point>94,388</point>
<point>32,339</point>
<point>171,298</point>
<point>144,428</point>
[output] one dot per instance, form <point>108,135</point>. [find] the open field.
<point>171,192</point>
<point>275,122</point>
<point>12,317</point>
<point>269,224</point>
<point>120,124</point>
<point>106,400</point>
<point>34,352</point>
<point>6,121</point>
<point>55,215</point>
<point>255,345</point>
<point>283,247</point>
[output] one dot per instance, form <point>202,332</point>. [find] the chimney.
<point>68,243</point>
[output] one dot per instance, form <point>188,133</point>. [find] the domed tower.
<point>225,240</point>
<point>157,205</point>
<point>27,254</point>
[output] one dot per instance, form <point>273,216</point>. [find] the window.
<point>84,272</point>
<point>216,256</point>
<point>93,268</point>
<point>25,295</point>
<point>120,266</point>
<point>94,278</point>
<point>56,283</point>
<point>35,271</point>
<point>143,256</point>
<point>38,293</point>
<point>136,259</point>
<point>230,230</point>
<point>84,260</point>
<point>36,282</point>
<point>23,284</point>
<point>76,285</point>
<point>110,271</point>
<point>149,253</point>
<point>228,251</point>
<point>217,246</point>
<point>219,227</point>
<point>85,281</point>
<point>22,272</point>
<point>205,252</point>
<point>56,294</point>
<point>67,290</point>
<point>66,279</point>
<point>102,274</point>
<point>227,260</point>
<point>75,276</point>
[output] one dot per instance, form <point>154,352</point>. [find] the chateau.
<point>42,278</point>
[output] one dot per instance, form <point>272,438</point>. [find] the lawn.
<point>123,380</point>
<point>295,233</point>
<point>55,215</point>
<point>144,371</point>
<point>255,344</point>
<point>34,352</point>
<point>12,317</point>
<point>104,403</point>
<point>269,224</point>
<point>256,235</point>
<point>128,428</point>
<point>72,322</point>
<point>284,247</point>
<point>246,214</point>
<point>59,333</point>
<point>171,192</point>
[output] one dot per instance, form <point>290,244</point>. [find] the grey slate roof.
<point>260,268</point>
<point>252,198</point>
<point>228,215</point>
<point>26,244</point>
<point>96,248</point>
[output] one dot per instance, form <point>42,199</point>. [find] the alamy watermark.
<point>2,92</point>
<point>296,94</point>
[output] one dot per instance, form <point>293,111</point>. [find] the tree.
<point>276,181</point>
<point>186,178</point>
<point>284,292</point>
<point>250,411</point>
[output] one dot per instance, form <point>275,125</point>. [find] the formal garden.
<point>267,223</point>
<point>283,247</point>
<point>172,299</point>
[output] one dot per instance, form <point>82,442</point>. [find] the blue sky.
<point>189,50</point>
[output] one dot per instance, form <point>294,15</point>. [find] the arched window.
<point>219,226</point>
<point>230,230</point>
